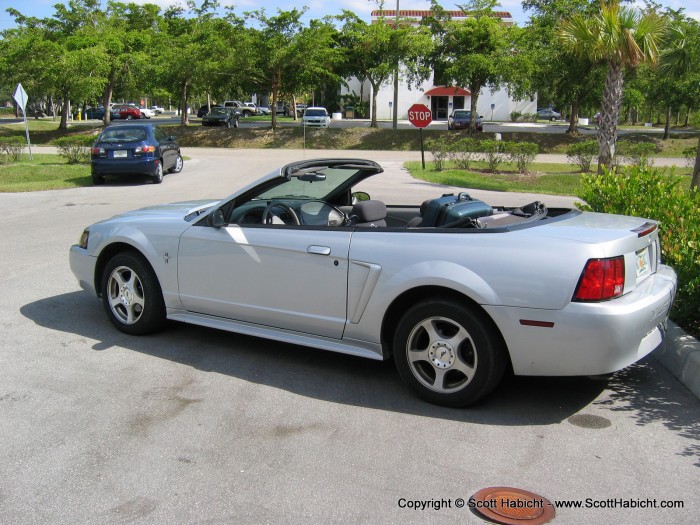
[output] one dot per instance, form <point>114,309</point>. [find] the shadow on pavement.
<point>313,373</point>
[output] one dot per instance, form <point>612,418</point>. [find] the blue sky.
<point>317,8</point>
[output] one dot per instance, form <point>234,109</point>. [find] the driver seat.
<point>368,214</point>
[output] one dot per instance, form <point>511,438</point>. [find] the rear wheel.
<point>179,163</point>
<point>451,355</point>
<point>158,177</point>
<point>97,179</point>
<point>131,295</point>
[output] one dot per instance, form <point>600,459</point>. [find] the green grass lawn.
<point>43,172</point>
<point>551,179</point>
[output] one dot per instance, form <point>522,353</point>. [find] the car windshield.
<point>315,113</point>
<point>123,134</point>
<point>219,111</point>
<point>314,183</point>
<point>463,114</point>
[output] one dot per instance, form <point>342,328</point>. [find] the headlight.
<point>83,242</point>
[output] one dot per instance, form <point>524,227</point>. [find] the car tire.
<point>158,177</point>
<point>448,353</point>
<point>97,179</point>
<point>131,294</point>
<point>179,164</point>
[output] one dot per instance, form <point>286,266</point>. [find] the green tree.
<point>374,50</point>
<point>560,77</point>
<point>472,52</point>
<point>193,49</point>
<point>620,37</point>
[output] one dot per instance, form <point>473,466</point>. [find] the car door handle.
<point>319,250</point>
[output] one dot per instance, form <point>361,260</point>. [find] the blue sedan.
<point>134,149</point>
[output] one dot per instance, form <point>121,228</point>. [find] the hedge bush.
<point>635,153</point>
<point>646,192</point>
<point>464,152</point>
<point>75,148</point>
<point>522,154</point>
<point>11,149</point>
<point>582,154</point>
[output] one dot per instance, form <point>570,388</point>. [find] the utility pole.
<point>395,124</point>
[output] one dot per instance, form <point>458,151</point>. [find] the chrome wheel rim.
<point>126,295</point>
<point>178,163</point>
<point>441,355</point>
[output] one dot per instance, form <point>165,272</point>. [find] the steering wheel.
<point>268,215</point>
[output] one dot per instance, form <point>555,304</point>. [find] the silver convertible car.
<point>456,291</point>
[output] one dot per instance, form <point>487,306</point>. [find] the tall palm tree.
<point>623,38</point>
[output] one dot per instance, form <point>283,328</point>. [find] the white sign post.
<point>20,97</point>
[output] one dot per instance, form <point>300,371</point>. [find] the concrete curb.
<point>680,355</point>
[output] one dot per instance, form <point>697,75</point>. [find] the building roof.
<point>420,13</point>
<point>446,91</point>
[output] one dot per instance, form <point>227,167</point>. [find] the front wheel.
<point>131,295</point>
<point>450,354</point>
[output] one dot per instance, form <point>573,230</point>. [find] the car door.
<point>168,149</point>
<point>287,277</point>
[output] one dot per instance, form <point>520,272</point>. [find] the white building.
<point>492,105</point>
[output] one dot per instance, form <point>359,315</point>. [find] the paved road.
<point>197,426</point>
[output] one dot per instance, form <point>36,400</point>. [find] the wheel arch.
<point>107,253</point>
<point>398,307</point>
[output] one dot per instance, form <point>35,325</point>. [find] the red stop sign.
<point>419,115</point>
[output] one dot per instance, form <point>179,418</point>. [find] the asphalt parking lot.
<point>197,426</point>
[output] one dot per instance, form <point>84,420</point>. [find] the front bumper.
<point>589,338</point>
<point>83,267</point>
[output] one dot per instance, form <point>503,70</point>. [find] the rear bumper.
<point>589,338</point>
<point>131,166</point>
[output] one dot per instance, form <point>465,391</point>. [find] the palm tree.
<point>623,38</point>
<point>679,59</point>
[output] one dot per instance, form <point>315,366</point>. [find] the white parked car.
<point>316,117</point>
<point>147,112</point>
<point>455,291</point>
<point>158,109</point>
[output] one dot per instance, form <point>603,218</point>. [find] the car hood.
<point>187,211</point>
<point>215,117</point>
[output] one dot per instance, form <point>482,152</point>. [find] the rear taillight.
<point>602,279</point>
<point>98,152</point>
<point>144,149</point>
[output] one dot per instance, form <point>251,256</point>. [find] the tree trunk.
<point>184,120</point>
<point>667,126</point>
<point>695,182</point>
<point>573,119</point>
<point>107,100</point>
<point>375,89</point>
<point>607,132</point>
<point>65,112</point>
<point>475,89</point>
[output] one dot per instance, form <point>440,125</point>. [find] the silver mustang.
<point>455,290</point>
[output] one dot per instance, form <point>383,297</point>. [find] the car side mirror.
<point>360,196</point>
<point>217,219</point>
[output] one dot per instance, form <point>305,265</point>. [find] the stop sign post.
<point>420,116</point>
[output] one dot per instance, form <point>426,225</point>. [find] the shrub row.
<point>582,154</point>
<point>646,192</point>
<point>517,116</point>
<point>76,148</point>
<point>11,149</point>
<point>464,151</point>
